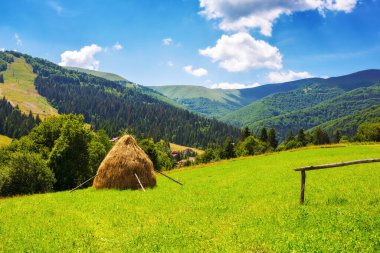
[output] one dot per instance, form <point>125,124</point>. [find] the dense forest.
<point>13,123</point>
<point>338,107</point>
<point>111,106</point>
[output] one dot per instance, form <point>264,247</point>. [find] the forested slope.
<point>115,108</point>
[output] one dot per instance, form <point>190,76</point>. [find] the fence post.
<point>303,181</point>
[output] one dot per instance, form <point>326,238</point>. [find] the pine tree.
<point>337,136</point>
<point>289,136</point>
<point>245,133</point>
<point>263,135</point>
<point>272,138</point>
<point>301,137</point>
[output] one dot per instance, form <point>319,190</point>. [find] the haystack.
<point>120,165</point>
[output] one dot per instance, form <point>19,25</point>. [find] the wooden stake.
<point>83,183</point>
<point>303,181</point>
<point>142,187</point>
<point>169,177</point>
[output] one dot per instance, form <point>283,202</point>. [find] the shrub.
<point>25,173</point>
<point>368,132</point>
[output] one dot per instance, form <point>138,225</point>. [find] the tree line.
<point>13,123</point>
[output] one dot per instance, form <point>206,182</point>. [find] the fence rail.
<point>326,166</point>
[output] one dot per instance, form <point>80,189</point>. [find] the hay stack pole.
<point>121,164</point>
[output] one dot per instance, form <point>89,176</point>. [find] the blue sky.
<point>214,43</point>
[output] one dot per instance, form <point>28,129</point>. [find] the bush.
<point>25,173</point>
<point>251,146</point>
<point>368,132</point>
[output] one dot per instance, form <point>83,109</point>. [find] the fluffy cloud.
<point>233,86</point>
<point>2,49</point>
<point>286,76</point>
<point>84,58</point>
<point>57,7</point>
<point>195,72</point>
<point>18,40</point>
<point>241,15</point>
<point>167,41</point>
<point>240,52</point>
<point>117,46</point>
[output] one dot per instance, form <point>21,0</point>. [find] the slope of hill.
<point>128,84</point>
<point>116,108</point>
<point>241,205</point>
<point>19,89</point>
<point>219,103</point>
<point>337,107</point>
<point>280,103</point>
<point>199,99</point>
<point>105,75</point>
<point>349,124</point>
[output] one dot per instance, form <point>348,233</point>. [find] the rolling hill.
<point>116,107</point>
<point>225,104</point>
<point>348,103</point>
<point>19,89</point>
<point>105,75</point>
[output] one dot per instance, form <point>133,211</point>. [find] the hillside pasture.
<point>241,205</point>
<point>19,89</point>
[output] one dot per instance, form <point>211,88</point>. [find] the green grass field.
<point>241,205</point>
<point>4,140</point>
<point>19,89</point>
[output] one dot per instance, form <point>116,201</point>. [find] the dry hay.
<point>120,165</point>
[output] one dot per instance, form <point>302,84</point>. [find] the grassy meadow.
<point>19,89</point>
<point>241,205</point>
<point>176,147</point>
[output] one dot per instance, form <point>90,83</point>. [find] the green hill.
<point>241,205</point>
<point>346,104</point>
<point>117,108</point>
<point>349,124</point>
<point>199,99</point>
<point>281,103</point>
<point>224,104</point>
<point>129,84</point>
<point>105,75</point>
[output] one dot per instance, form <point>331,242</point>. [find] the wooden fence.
<point>326,166</point>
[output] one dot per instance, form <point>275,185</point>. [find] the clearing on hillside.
<point>19,89</point>
<point>177,147</point>
<point>241,205</point>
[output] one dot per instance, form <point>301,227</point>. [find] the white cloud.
<point>233,86</point>
<point>117,46</point>
<point>2,49</point>
<point>18,40</point>
<point>84,58</point>
<point>286,76</point>
<point>240,52</point>
<point>167,41</point>
<point>170,63</point>
<point>195,72</point>
<point>241,15</point>
<point>57,7</point>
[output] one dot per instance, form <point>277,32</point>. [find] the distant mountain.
<point>105,75</point>
<point>117,107</point>
<point>349,103</point>
<point>223,104</point>
<point>349,124</point>
<point>128,84</point>
<point>207,102</point>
